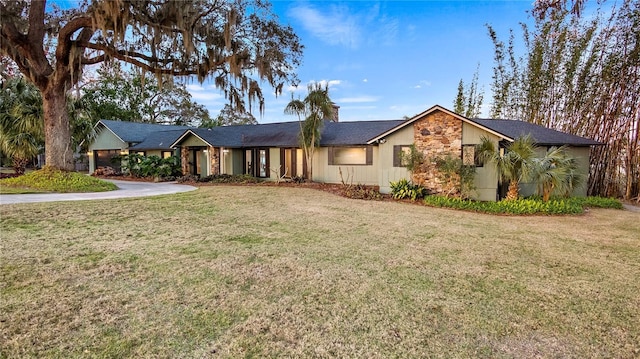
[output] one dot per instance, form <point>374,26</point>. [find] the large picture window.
<point>352,156</point>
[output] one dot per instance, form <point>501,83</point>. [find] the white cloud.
<point>336,26</point>
<point>422,84</point>
<point>365,80</point>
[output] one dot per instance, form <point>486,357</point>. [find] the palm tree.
<point>515,165</point>
<point>21,125</point>
<point>314,108</point>
<point>556,172</point>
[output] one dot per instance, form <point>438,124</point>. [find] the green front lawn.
<point>265,271</point>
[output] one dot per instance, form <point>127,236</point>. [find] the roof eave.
<point>433,109</point>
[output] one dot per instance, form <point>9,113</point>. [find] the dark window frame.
<point>397,150</point>
<point>476,160</point>
<point>368,156</point>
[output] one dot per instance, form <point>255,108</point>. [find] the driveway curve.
<point>126,189</point>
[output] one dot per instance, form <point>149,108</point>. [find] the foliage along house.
<point>365,152</point>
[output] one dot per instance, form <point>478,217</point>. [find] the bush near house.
<point>405,189</point>
<point>360,191</point>
<point>137,165</point>
<point>226,178</point>
<point>49,179</point>
<point>526,206</point>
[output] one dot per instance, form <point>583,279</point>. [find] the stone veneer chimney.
<point>336,116</point>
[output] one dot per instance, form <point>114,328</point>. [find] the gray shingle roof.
<point>160,140</point>
<point>285,134</point>
<point>542,136</point>
<point>135,132</point>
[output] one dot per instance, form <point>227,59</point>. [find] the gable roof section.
<point>542,136</point>
<point>136,132</point>
<point>427,112</point>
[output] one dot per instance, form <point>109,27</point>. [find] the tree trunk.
<point>57,133</point>
<point>512,193</point>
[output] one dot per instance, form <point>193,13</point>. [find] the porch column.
<point>214,156</point>
<point>184,160</point>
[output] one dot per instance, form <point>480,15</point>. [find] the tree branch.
<point>142,60</point>
<point>64,36</point>
<point>36,20</point>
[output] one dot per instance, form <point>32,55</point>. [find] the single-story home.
<point>365,152</point>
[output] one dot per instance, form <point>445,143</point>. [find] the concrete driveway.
<point>127,189</point>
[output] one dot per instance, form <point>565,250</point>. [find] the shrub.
<point>532,205</point>
<point>360,191</point>
<point>54,180</point>
<point>137,165</point>
<point>226,178</point>
<point>298,179</point>
<point>405,189</point>
<point>598,202</point>
<point>8,175</point>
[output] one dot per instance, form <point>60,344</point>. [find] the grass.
<point>52,180</point>
<point>264,271</point>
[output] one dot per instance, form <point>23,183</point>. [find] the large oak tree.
<point>238,44</point>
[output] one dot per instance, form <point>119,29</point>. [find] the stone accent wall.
<point>184,160</point>
<point>214,155</point>
<point>436,135</point>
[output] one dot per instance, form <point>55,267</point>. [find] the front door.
<point>257,162</point>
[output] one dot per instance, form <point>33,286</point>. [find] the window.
<point>167,154</point>
<point>262,160</point>
<point>400,153</point>
<point>469,157</point>
<point>361,155</point>
<point>107,158</point>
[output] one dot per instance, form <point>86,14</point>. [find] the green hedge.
<point>53,180</point>
<point>525,206</point>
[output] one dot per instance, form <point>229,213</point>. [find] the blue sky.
<point>387,59</point>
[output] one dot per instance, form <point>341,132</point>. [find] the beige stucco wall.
<point>388,173</point>
<point>486,180</point>
<point>274,163</point>
<point>356,174</point>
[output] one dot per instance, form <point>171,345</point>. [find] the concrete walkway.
<point>127,189</point>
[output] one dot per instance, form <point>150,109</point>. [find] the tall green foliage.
<point>514,165</point>
<point>579,75</point>
<point>556,173</point>
<point>312,112</point>
<point>469,100</point>
<point>21,127</point>
<point>135,96</point>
